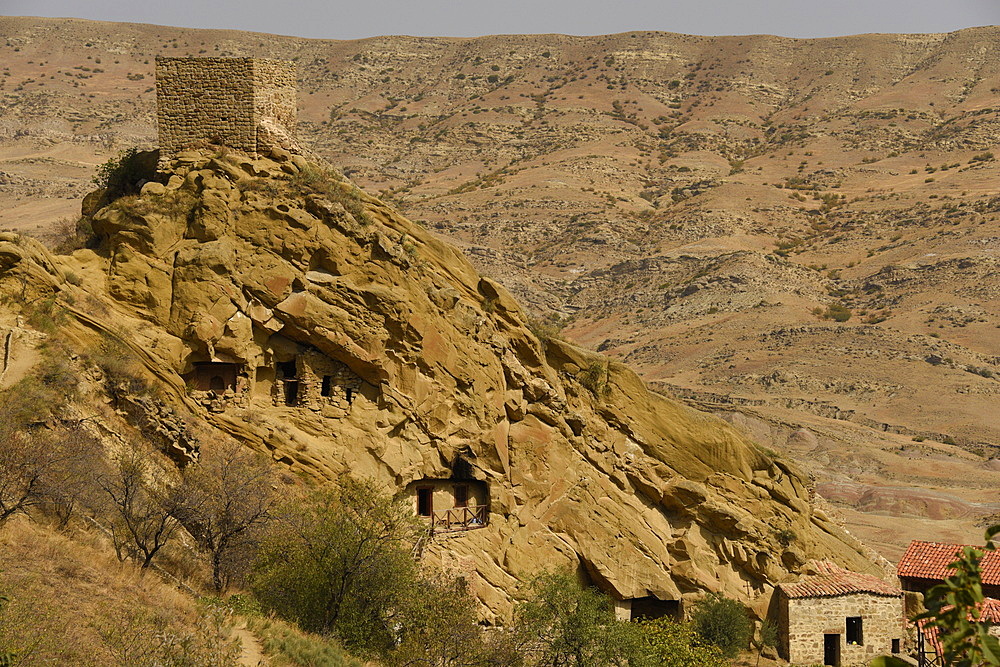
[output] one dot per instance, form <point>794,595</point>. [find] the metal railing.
<point>458,518</point>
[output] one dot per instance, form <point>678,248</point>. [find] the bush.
<point>723,622</point>
<point>667,643</point>
<point>125,173</point>
<point>595,378</point>
<point>338,563</point>
<point>837,312</point>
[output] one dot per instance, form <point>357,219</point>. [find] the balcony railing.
<point>458,518</point>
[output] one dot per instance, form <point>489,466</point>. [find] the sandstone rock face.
<point>312,321</point>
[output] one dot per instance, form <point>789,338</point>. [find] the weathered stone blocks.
<point>246,103</point>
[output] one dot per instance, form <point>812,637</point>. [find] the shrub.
<point>123,174</point>
<point>338,563</point>
<point>595,378</point>
<point>667,643</point>
<point>837,312</point>
<point>723,622</point>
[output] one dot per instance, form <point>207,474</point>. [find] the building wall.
<point>275,94</point>
<point>312,368</point>
<point>804,621</point>
<point>444,492</point>
<point>222,100</point>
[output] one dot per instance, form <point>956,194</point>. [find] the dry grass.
<point>72,602</point>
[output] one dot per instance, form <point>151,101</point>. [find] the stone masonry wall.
<point>275,93</point>
<point>222,100</point>
<point>316,375</point>
<point>804,621</point>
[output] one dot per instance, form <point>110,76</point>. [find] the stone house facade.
<point>314,381</point>
<point>307,379</point>
<point>243,103</point>
<point>839,618</point>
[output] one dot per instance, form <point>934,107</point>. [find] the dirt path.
<point>253,652</point>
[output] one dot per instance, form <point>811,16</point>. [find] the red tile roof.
<point>989,611</point>
<point>832,581</point>
<point>932,560</point>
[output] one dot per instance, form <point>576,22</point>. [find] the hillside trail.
<point>252,653</point>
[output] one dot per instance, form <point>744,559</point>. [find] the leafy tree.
<point>569,624</point>
<point>954,605</point>
<point>723,622</point>
<point>438,627</point>
<point>224,499</point>
<point>338,563</point>
<point>668,643</point>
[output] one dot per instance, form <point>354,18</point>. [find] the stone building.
<point>837,617</point>
<point>219,384</point>
<point>299,377</point>
<point>926,564</point>
<point>457,502</point>
<point>245,103</point>
<point>312,380</point>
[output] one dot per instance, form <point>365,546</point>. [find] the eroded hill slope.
<point>681,203</point>
<point>236,268</point>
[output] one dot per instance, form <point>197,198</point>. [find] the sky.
<point>337,19</point>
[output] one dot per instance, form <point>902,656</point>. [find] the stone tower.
<point>245,103</point>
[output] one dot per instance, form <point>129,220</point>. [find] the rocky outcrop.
<point>247,280</point>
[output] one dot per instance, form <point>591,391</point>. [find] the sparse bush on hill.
<point>595,377</point>
<point>837,312</point>
<point>330,184</point>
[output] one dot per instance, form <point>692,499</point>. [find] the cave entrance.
<point>652,607</point>
<point>215,376</point>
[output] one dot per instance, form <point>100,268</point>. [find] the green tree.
<point>953,606</point>
<point>669,643</point>
<point>565,623</point>
<point>438,626</point>
<point>723,622</point>
<point>338,563</point>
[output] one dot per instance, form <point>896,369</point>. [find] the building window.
<point>461,495</point>
<point>327,388</point>
<point>895,646</point>
<point>425,501</point>
<point>855,634</point>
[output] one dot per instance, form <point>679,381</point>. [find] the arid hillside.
<point>799,234</point>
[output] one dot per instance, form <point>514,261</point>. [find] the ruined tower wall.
<point>223,100</point>
<point>275,89</point>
